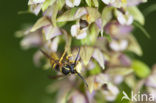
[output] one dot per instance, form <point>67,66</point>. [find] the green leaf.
<point>89,2</point>
<point>141,69</point>
<point>95,70</point>
<point>47,3</point>
<point>106,15</point>
<point>24,12</point>
<point>91,35</point>
<point>61,24</point>
<point>92,3</point>
<point>108,37</point>
<point>43,21</point>
<point>150,9</point>
<point>68,39</point>
<point>142,29</point>
<point>123,71</point>
<point>54,15</point>
<point>90,81</point>
<point>86,53</point>
<point>96,3</point>
<point>137,15</point>
<point>60,4</point>
<point>134,46</point>
<point>130,80</point>
<point>99,57</point>
<point>68,15</point>
<point>93,14</point>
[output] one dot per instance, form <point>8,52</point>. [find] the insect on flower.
<point>64,64</point>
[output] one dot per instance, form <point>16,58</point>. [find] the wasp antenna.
<point>77,56</point>
<point>82,79</point>
<point>48,56</point>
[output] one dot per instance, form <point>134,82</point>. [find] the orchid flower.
<point>72,3</point>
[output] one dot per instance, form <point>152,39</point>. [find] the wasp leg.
<point>48,56</point>
<point>63,55</point>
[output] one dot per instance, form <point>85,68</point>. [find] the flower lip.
<point>124,18</point>
<point>118,45</point>
<point>105,86</point>
<point>77,32</point>
<point>117,30</point>
<point>83,24</point>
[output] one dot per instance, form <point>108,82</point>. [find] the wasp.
<point>65,66</point>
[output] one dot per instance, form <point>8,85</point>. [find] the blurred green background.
<point>20,80</point>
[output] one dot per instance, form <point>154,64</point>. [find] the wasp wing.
<point>59,77</point>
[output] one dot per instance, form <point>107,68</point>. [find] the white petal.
<point>80,12</point>
<point>102,78</point>
<point>82,34</point>
<point>123,44</point>
<point>151,81</point>
<point>54,44</point>
<point>114,46</point>
<point>130,20</point>
<point>152,92</point>
<point>74,30</point>
<point>77,2</point>
<point>135,2</point>
<point>121,18</point>
<point>35,8</point>
<point>37,58</point>
<point>50,32</point>
<point>118,79</point>
<point>30,41</point>
<point>119,45</point>
<point>124,19</point>
<point>111,93</point>
<point>35,2</point>
<point>119,3</point>
<point>69,3</point>
<point>78,98</point>
<point>108,1</point>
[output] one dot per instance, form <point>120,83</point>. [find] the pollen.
<point>88,17</point>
